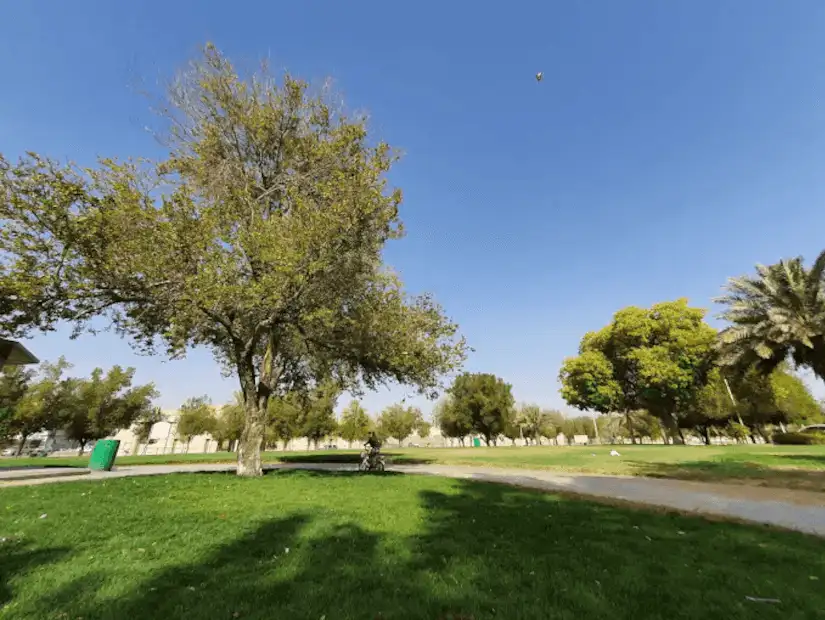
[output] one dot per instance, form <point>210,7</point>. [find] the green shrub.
<point>799,439</point>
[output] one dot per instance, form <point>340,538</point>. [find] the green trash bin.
<point>103,455</point>
<point>476,442</point>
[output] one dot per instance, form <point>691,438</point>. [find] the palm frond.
<point>777,313</point>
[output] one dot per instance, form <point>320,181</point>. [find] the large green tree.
<point>453,423</point>
<point>777,398</point>
<point>230,423</point>
<point>653,358</point>
<point>260,236</point>
<point>537,423</point>
<point>286,418</point>
<point>399,422</point>
<point>487,400</point>
<point>14,383</point>
<point>711,409</point>
<point>794,400</point>
<point>355,423</point>
<point>46,404</point>
<point>196,417</point>
<point>143,426</point>
<point>318,412</point>
<point>777,314</point>
<point>104,404</point>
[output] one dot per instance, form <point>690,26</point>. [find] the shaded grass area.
<point>310,545</point>
<point>799,467</point>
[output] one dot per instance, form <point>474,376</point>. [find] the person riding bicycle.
<point>373,443</point>
<point>372,451</point>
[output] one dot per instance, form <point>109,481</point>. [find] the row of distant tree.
<point>85,408</point>
<point>309,415</point>
<point>669,403</point>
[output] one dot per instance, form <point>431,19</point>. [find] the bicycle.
<point>372,460</point>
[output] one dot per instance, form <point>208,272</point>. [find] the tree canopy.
<point>196,417</point>
<point>654,358</point>
<point>318,412</point>
<point>537,423</point>
<point>260,236</point>
<point>104,403</point>
<point>46,404</point>
<point>229,422</point>
<point>399,422</point>
<point>453,422</point>
<point>15,382</point>
<point>486,399</point>
<point>355,424</point>
<point>144,424</point>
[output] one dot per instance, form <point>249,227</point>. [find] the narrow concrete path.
<point>803,511</point>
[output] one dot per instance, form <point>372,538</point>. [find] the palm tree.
<point>777,314</point>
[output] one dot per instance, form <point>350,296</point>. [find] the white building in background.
<point>164,440</point>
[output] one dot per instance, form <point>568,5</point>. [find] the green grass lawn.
<point>800,467</point>
<point>310,545</point>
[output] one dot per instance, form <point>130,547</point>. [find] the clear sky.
<point>670,145</point>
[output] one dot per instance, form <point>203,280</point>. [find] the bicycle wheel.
<point>362,466</point>
<point>379,466</point>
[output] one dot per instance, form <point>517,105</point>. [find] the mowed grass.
<point>798,467</point>
<point>311,545</point>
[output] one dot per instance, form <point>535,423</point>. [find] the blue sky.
<point>671,145</point>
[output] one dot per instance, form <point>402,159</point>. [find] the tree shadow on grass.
<point>335,575</point>
<point>351,457</point>
<point>547,556</point>
<point>17,558</point>
<point>479,551</point>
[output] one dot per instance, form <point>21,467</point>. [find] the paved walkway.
<point>798,510</point>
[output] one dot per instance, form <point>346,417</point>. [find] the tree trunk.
<point>22,444</point>
<point>705,434</point>
<point>674,430</point>
<point>252,437</point>
<point>80,450</point>
<point>256,398</point>
<point>630,430</point>
<point>665,435</point>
